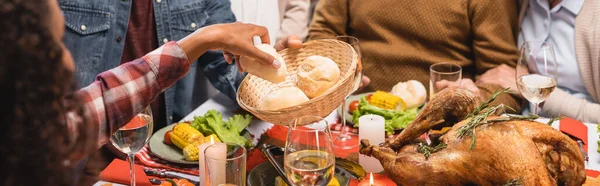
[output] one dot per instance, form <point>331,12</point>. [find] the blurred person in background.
<point>401,39</point>
<point>49,125</point>
<point>103,34</point>
<point>294,16</point>
<point>284,17</point>
<point>571,26</point>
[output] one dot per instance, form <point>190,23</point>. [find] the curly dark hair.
<point>37,96</point>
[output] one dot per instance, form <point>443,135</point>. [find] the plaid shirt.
<point>119,94</point>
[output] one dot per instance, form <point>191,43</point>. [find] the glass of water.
<point>442,72</point>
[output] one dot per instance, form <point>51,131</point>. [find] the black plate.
<point>264,175</point>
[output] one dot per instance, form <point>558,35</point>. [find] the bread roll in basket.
<point>253,89</point>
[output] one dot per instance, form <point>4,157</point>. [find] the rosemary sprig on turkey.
<point>428,150</point>
<point>482,112</point>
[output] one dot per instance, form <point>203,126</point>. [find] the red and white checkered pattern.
<point>148,160</point>
<point>118,94</point>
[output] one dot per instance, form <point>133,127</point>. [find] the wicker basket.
<point>253,89</point>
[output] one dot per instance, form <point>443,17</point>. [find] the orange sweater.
<point>400,39</point>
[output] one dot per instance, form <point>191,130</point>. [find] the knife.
<point>163,174</point>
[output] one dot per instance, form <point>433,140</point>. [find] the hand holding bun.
<point>316,75</point>
<point>412,92</point>
<point>283,98</point>
<point>254,67</point>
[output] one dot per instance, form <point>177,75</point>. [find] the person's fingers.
<point>443,84</point>
<point>365,80</point>
<point>260,56</point>
<point>238,63</point>
<point>227,56</point>
<point>469,85</point>
<point>482,80</point>
<point>290,41</point>
<point>239,67</point>
<point>263,33</point>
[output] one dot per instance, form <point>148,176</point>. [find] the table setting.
<point>306,126</point>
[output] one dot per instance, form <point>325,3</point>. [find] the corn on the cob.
<point>183,135</point>
<point>179,142</point>
<point>186,132</point>
<point>387,101</point>
<point>191,151</point>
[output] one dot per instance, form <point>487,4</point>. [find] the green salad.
<point>227,131</point>
<point>393,119</point>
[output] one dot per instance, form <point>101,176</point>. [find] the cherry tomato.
<point>353,106</point>
<point>369,98</point>
<point>167,138</point>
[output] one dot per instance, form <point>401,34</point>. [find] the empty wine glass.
<point>537,72</point>
<point>309,157</point>
<point>130,138</point>
<point>343,139</point>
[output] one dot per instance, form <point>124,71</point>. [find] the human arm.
<point>295,19</point>
<point>223,76</point>
<point>494,43</point>
<point>330,19</point>
<point>116,95</point>
<point>562,103</point>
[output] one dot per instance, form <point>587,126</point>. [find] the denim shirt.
<point>96,29</point>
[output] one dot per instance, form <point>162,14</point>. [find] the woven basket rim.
<point>348,76</point>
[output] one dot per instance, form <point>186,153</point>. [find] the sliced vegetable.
<point>353,106</point>
<point>167,138</point>
<point>369,98</point>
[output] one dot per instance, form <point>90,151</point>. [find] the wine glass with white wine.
<point>130,138</point>
<point>537,72</point>
<point>343,139</point>
<point>309,158</point>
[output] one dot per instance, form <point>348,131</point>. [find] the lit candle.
<point>217,154</point>
<point>371,182</point>
<point>371,127</point>
<point>202,162</point>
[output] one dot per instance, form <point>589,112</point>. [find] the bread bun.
<point>254,67</point>
<point>283,98</point>
<point>316,75</point>
<point>412,92</point>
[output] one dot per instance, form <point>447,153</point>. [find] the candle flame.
<point>371,179</point>
<point>212,141</point>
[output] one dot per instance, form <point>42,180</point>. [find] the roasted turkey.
<point>499,151</point>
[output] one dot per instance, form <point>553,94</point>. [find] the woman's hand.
<point>291,41</point>
<point>464,83</point>
<point>234,39</point>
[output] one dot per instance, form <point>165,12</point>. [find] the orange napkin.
<point>576,129</point>
<point>118,172</point>
<point>592,173</point>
